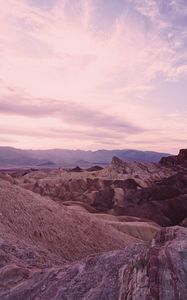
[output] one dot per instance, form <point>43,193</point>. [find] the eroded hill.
<point>95,234</point>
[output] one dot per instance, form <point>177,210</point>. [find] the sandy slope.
<point>69,234</point>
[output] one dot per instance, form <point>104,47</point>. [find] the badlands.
<point>117,232</point>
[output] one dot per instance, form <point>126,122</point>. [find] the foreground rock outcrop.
<point>154,271</point>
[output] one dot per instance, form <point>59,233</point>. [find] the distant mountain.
<point>47,164</point>
<point>12,157</point>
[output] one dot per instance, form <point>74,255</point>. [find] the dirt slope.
<point>67,233</point>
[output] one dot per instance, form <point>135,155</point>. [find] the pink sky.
<point>83,74</point>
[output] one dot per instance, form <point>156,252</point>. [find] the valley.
<point>117,232</point>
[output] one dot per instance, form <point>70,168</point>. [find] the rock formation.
<point>95,234</point>
<point>154,271</point>
<point>179,160</point>
<point>133,189</point>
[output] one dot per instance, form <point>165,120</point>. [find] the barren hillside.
<point>97,234</point>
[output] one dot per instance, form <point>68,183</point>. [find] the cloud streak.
<point>73,55</point>
<point>107,61</point>
<point>71,113</point>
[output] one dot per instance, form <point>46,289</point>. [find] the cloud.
<point>106,61</point>
<point>43,4</point>
<point>6,140</point>
<point>51,53</point>
<point>58,133</point>
<point>52,136</point>
<point>68,112</point>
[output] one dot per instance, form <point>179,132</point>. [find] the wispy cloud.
<point>71,58</point>
<point>101,64</point>
<point>68,112</point>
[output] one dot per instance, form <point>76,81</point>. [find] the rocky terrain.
<point>141,190</point>
<point>177,161</point>
<point>112,233</point>
<point>142,271</point>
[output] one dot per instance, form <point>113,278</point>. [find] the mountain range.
<point>13,158</point>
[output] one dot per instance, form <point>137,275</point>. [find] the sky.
<point>93,74</point>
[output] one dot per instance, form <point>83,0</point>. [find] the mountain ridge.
<point>14,157</point>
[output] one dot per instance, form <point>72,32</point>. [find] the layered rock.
<point>94,241</point>
<point>143,173</point>
<point>179,160</point>
<point>163,201</point>
<point>154,271</point>
<point>43,223</point>
<point>141,190</point>
<point>98,193</point>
